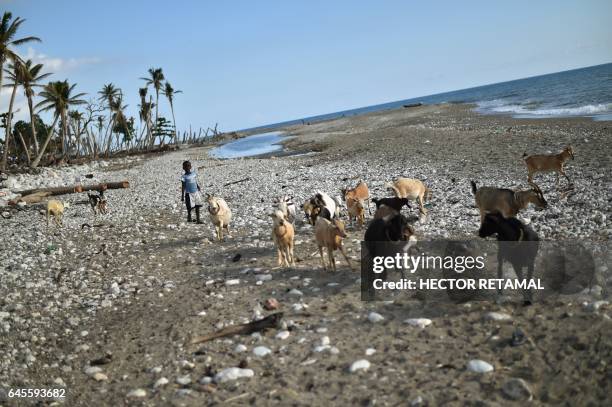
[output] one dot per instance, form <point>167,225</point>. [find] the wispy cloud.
<point>59,65</point>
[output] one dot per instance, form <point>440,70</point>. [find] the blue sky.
<point>249,63</point>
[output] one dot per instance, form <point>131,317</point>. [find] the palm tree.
<point>117,107</point>
<point>8,30</point>
<point>29,77</point>
<point>169,91</point>
<point>108,94</point>
<point>13,73</point>
<point>156,77</point>
<point>57,96</point>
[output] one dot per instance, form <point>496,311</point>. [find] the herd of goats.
<point>498,209</point>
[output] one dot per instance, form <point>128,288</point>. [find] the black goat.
<point>518,244</point>
<point>384,237</point>
<point>395,203</point>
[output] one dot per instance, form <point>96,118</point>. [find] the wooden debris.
<point>271,321</point>
<point>77,188</point>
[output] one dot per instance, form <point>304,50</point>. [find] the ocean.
<point>579,92</point>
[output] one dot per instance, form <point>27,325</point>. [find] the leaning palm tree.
<point>169,91</point>
<point>108,94</point>
<point>13,72</point>
<point>29,77</point>
<point>57,96</point>
<point>156,77</point>
<point>8,30</point>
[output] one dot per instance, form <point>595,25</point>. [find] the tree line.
<point>80,128</point>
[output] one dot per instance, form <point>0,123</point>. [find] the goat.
<point>355,210</point>
<point>385,211</point>
<point>220,214</point>
<point>314,206</point>
<point>395,203</point>
<point>360,193</point>
<point>329,234</point>
<point>517,243</point>
<point>506,201</point>
<point>411,189</point>
<point>385,236</point>
<point>282,235</point>
<point>56,209</point>
<point>285,204</point>
<point>548,163</point>
<point>97,203</point>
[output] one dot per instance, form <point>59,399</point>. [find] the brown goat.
<point>411,189</point>
<point>360,192</point>
<point>330,234</point>
<point>56,209</point>
<point>548,163</point>
<point>355,210</point>
<point>282,235</point>
<point>506,201</point>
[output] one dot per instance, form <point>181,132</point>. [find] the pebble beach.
<point>108,312</point>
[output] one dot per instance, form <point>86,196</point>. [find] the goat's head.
<point>397,228</point>
<point>490,225</point>
<point>278,217</point>
<point>338,228</point>
<point>569,151</point>
<point>538,197</point>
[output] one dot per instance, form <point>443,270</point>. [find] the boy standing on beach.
<point>190,192</point>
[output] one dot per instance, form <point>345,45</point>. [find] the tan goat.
<point>330,234</point>
<point>360,192</point>
<point>282,235</point>
<point>56,209</point>
<point>355,211</point>
<point>548,163</point>
<point>220,214</point>
<point>506,201</point>
<point>411,189</point>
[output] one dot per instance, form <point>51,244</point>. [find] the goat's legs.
<point>332,261</point>
<point>341,248</point>
<point>569,182</point>
<point>322,258</point>
<point>421,206</point>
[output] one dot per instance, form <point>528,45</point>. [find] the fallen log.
<point>29,199</point>
<point>77,188</point>
<point>271,321</point>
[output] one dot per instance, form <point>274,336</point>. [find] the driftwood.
<point>236,182</point>
<point>271,321</point>
<point>77,188</point>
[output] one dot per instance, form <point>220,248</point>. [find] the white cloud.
<point>58,65</point>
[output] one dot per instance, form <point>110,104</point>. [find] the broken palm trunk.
<point>77,188</point>
<point>271,321</point>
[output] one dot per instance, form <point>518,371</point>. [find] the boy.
<point>190,192</point>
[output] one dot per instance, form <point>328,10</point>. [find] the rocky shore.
<point>108,312</point>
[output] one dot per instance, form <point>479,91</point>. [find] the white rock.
<point>479,366</point>
<point>325,341</point>
<point>232,282</point>
<point>294,291</point>
<point>92,370</point>
<point>137,393</point>
<point>233,373</point>
<point>418,322</point>
<point>162,381</point>
<point>99,377</point>
<point>498,316</point>
<point>263,277</point>
<point>370,351</point>
<point>183,380</point>
<point>282,335</point>
<point>361,364</point>
<point>240,348</point>
<point>261,351</point>
<point>375,317</point>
